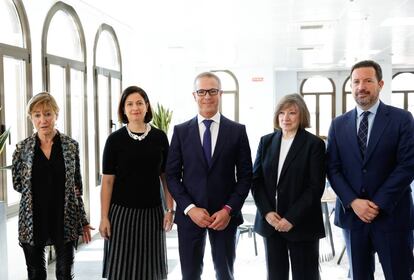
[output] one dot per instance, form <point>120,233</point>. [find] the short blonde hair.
<point>44,99</point>
<point>290,100</point>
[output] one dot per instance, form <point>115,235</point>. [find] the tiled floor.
<point>88,263</point>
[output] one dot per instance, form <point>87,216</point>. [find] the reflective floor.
<point>88,263</point>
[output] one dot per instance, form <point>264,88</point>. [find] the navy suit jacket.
<point>301,185</point>
<point>226,182</point>
<point>382,176</point>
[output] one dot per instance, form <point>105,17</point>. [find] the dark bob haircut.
<point>130,90</point>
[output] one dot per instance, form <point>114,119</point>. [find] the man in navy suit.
<point>209,172</point>
<point>370,167</point>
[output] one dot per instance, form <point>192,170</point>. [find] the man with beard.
<point>370,167</point>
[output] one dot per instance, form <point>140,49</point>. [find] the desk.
<point>328,197</point>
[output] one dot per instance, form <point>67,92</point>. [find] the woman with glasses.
<point>46,171</point>
<point>133,222</point>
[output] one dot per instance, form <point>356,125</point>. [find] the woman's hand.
<point>272,218</point>
<point>86,235</point>
<point>283,225</point>
<point>105,228</point>
<point>168,221</point>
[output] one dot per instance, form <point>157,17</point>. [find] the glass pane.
<point>397,100</point>
<point>76,78</point>
<point>106,52</point>
<point>115,96</point>
<point>15,116</point>
<point>403,81</point>
<point>58,90</point>
<point>77,117</point>
<point>310,101</point>
<point>411,102</point>
<point>228,105</point>
<point>11,31</point>
<point>348,85</point>
<point>103,113</point>
<point>317,84</point>
<point>350,102</point>
<point>227,81</point>
<point>63,38</point>
<point>325,114</point>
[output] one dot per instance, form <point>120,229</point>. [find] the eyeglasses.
<point>211,92</point>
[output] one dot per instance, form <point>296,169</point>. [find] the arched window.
<point>348,102</point>
<point>64,75</point>
<point>229,105</point>
<point>15,87</point>
<point>319,95</point>
<point>107,65</point>
<point>403,91</point>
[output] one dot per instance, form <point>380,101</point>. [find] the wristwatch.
<point>169,210</point>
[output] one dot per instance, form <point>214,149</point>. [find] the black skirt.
<point>137,247</point>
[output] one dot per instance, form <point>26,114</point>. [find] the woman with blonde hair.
<point>46,171</point>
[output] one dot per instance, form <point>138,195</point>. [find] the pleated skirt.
<point>136,249</point>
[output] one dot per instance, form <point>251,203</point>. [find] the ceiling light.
<point>305,48</point>
<point>398,21</point>
<point>311,26</point>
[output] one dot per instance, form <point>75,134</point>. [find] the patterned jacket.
<point>74,211</point>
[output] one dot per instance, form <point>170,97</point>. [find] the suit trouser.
<point>304,258</point>
<point>192,243</point>
<point>36,261</point>
<point>394,249</point>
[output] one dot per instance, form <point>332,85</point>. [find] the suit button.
<point>363,190</point>
<point>364,170</point>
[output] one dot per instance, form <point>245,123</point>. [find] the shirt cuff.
<point>227,208</point>
<point>189,207</point>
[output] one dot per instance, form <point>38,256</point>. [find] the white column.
<point>3,241</point>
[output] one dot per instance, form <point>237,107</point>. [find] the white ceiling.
<point>272,33</point>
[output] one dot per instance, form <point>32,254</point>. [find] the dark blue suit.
<point>382,176</point>
<point>226,182</point>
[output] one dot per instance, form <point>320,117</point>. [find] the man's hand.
<point>272,218</point>
<point>221,220</point>
<point>365,209</point>
<point>200,217</point>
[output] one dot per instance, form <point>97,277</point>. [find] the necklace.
<point>139,137</point>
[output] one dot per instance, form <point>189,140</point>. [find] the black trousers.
<point>304,258</point>
<point>36,261</point>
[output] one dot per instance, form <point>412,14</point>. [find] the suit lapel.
<point>380,122</point>
<point>298,142</point>
<point>273,152</point>
<point>195,135</point>
<point>224,131</point>
<point>351,132</point>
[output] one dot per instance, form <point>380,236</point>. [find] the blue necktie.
<point>207,141</point>
<point>363,133</point>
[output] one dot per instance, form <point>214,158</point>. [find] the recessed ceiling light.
<point>311,26</point>
<point>305,48</point>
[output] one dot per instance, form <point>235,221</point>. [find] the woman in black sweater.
<point>132,217</point>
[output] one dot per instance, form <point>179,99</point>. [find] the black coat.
<point>300,188</point>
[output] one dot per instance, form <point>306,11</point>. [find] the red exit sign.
<point>257,79</point>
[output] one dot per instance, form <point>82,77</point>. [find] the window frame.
<point>23,54</point>
<point>109,74</point>
<point>317,95</point>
